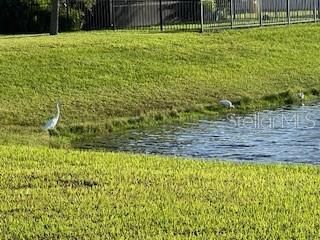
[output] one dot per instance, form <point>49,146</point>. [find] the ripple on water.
<point>285,135</point>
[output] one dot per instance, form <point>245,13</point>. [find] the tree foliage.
<point>33,16</point>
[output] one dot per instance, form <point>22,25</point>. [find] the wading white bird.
<point>301,96</point>
<point>52,123</point>
<point>226,104</point>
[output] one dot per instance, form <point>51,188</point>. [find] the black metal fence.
<point>194,14</point>
<point>163,14</point>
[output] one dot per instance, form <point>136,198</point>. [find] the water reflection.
<point>284,135</point>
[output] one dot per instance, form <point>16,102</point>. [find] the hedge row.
<point>33,16</point>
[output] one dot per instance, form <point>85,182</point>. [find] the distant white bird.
<point>301,96</point>
<point>52,123</point>
<point>226,104</point>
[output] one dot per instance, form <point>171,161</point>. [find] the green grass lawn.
<point>51,194</point>
<point>103,76</point>
<point>108,80</point>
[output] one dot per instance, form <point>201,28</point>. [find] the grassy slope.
<point>103,75</point>
<point>55,193</point>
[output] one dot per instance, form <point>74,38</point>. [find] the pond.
<point>289,134</point>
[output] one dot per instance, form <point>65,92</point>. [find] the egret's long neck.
<point>58,111</point>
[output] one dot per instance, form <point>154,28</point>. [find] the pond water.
<point>285,135</point>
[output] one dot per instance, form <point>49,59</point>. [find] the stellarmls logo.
<point>303,120</point>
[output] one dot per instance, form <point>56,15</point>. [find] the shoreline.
<point>77,133</point>
<point>208,112</point>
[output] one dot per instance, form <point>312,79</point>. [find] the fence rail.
<point>196,14</point>
<point>167,15</point>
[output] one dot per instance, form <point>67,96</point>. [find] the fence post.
<point>54,20</point>
<point>288,12</point>
<point>318,9</point>
<point>114,24</point>
<point>260,12</point>
<point>160,15</point>
<point>67,9</point>
<point>315,10</point>
<point>201,14</point>
<point>111,14</point>
<point>318,12</point>
<point>232,12</point>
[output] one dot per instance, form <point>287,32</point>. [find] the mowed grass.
<point>111,79</point>
<point>102,76</point>
<point>51,194</point>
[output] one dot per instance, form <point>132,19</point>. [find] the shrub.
<point>216,10</point>
<point>20,16</point>
<point>71,20</point>
<point>33,16</point>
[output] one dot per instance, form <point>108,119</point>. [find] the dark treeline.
<point>33,16</point>
<point>21,16</point>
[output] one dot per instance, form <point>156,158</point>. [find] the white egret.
<point>52,123</point>
<point>226,104</point>
<point>301,97</point>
